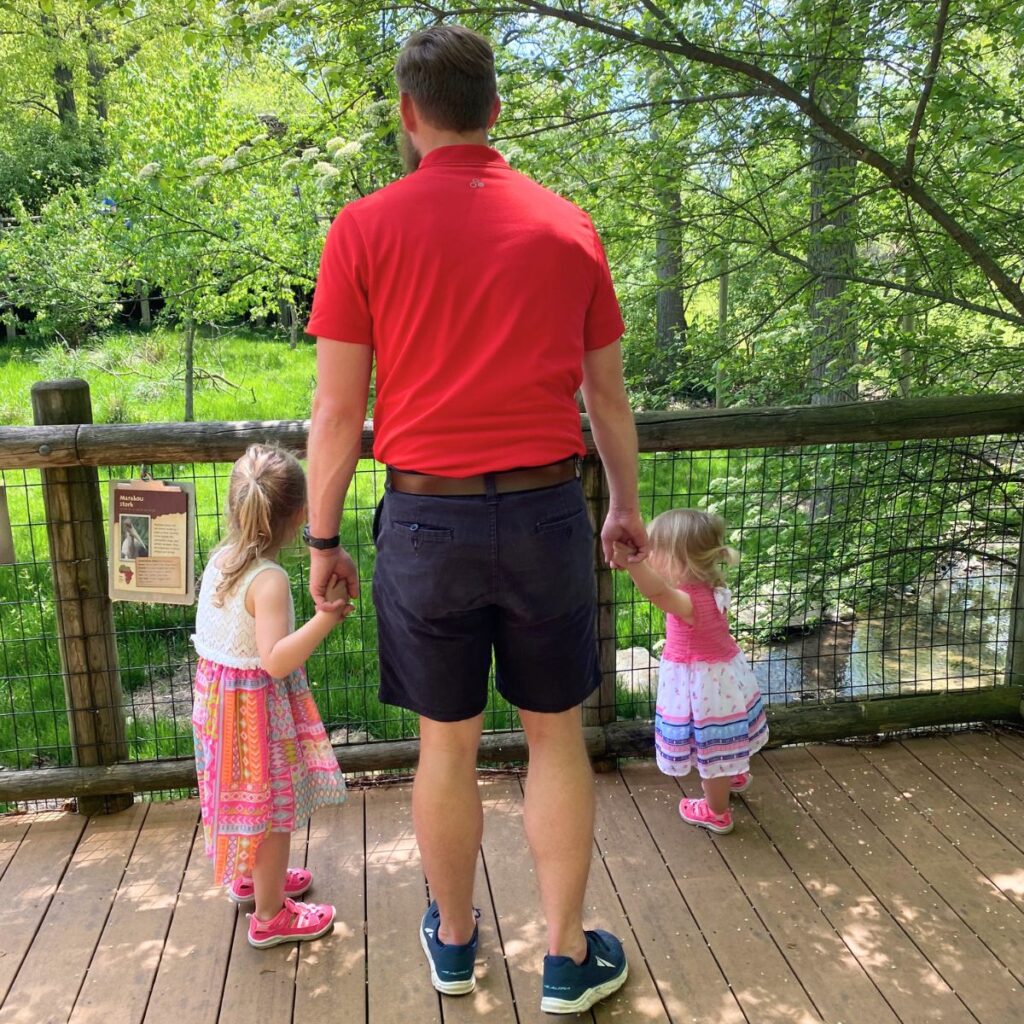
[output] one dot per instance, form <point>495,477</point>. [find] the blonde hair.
<point>693,543</point>
<point>266,492</point>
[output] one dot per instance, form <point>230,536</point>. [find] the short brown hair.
<point>448,70</point>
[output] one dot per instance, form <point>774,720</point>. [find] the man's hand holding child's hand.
<point>337,590</point>
<point>621,555</point>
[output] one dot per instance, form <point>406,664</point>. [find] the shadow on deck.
<point>868,885</point>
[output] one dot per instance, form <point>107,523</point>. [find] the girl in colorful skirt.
<point>262,756</point>
<point>709,712</point>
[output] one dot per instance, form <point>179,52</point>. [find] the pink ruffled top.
<point>708,639</point>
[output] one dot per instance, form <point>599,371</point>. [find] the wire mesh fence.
<point>868,570</point>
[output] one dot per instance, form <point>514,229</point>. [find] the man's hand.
<point>334,565</point>
<point>624,527</point>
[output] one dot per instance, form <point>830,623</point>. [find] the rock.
<point>637,670</point>
<point>345,735</point>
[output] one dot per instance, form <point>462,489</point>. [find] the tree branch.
<point>894,173</point>
<point>926,91</point>
<point>925,293</point>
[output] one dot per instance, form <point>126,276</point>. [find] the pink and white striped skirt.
<point>709,716</point>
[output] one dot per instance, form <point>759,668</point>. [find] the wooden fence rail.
<point>127,444</point>
<point>64,451</point>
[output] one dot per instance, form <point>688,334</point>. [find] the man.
<point>486,301</point>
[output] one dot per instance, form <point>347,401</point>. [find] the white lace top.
<point>227,635</point>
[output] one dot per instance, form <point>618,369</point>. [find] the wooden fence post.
<point>1014,674</point>
<point>600,707</point>
<point>76,530</point>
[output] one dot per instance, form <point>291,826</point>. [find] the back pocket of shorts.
<point>421,533</point>
<point>562,521</point>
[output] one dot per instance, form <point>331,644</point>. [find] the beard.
<point>408,152</point>
<point>411,157</point>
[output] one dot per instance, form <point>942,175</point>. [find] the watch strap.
<point>320,543</point>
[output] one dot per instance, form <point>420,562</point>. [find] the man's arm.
<point>335,436</point>
<point>611,420</point>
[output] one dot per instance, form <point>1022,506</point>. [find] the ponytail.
<point>730,556</point>
<point>266,492</point>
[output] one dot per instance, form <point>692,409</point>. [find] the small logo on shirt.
<point>476,183</point>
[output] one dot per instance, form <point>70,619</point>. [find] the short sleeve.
<point>604,323</point>
<point>341,308</point>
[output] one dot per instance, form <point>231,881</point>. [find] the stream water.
<point>949,634</point>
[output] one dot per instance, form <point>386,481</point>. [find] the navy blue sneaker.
<point>572,988</point>
<point>451,967</point>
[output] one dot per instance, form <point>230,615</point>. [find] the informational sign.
<point>152,541</point>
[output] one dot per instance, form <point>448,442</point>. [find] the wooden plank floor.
<point>862,885</point>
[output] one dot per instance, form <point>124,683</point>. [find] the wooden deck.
<point>861,886</point>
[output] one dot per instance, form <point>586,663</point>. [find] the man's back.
<point>479,291</point>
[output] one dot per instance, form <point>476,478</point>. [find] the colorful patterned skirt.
<point>709,715</point>
<point>263,759</point>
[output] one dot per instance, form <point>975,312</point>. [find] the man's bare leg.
<point>559,817</point>
<point>448,819</point>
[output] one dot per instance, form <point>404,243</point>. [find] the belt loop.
<point>491,488</point>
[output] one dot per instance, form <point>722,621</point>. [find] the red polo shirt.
<point>479,291</point>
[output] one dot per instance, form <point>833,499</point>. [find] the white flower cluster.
<point>229,164</point>
<point>326,170</point>
<point>334,144</point>
<point>261,15</point>
<point>149,171</point>
<point>350,149</point>
<point>243,150</point>
<point>310,153</point>
<point>205,162</point>
<point>290,163</point>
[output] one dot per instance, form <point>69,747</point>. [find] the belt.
<point>530,479</point>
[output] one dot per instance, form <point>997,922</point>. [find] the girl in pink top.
<point>710,711</point>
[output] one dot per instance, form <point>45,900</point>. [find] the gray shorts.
<point>461,579</point>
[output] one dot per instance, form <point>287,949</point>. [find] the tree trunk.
<point>723,335</point>
<point>907,325</point>
<point>671,324</point>
<point>63,76</point>
<point>190,338</point>
<point>670,329</point>
<point>97,92</point>
<point>831,249</point>
<point>293,327</point>
<point>145,315</point>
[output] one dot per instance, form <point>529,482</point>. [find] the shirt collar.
<point>464,155</point>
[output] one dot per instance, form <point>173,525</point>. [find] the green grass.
<point>137,377</point>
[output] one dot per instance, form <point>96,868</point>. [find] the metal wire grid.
<point>868,570</point>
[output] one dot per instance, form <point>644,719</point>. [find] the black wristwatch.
<point>320,543</point>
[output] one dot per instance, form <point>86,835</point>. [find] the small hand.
<point>325,566</point>
<point>337,597</point>
<point>621,554</point>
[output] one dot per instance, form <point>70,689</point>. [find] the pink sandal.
<point>294,922</point>
<point>296,882</point>
<point>697,812</point>
<point>740,783</point>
